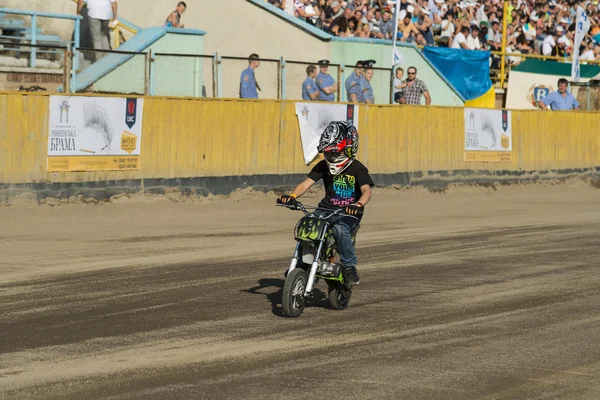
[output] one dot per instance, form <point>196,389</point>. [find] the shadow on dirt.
<point>319,299</point>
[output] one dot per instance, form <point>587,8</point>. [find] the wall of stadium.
<point>236,143</point>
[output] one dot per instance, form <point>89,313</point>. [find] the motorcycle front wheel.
<point>293,300</point>
<point>338,297</point>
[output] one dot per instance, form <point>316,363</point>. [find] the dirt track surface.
<point>470,294</point>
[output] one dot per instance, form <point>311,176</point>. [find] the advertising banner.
<point>314,117</point>
<point>488,135</point>
<point>94,134</point>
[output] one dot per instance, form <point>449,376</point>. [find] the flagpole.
<point>395,38</point>
<point>503,60</point>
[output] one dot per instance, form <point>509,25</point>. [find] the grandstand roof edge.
<point>377,41</point>
<point>308,28</point>
<point>554,68</point>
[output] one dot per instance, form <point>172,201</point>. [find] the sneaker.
<point>351,276</point>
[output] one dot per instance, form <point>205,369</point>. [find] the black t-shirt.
<point>344,189</point>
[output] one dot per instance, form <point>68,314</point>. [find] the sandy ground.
<point>469,294</point>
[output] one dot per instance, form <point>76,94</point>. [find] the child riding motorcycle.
<point>347,185</point>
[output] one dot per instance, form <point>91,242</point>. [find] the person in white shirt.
<point>588,53</point>
<point>473,39</point>
<point>549,43</point>
<point>100,13</point>
<point>460,40</point>
<point>448,26</point>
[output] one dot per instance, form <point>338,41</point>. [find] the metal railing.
<point>61,69</point>
<point>32,39</point>
<point>53,67</point>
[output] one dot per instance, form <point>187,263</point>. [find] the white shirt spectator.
<point>496,37</point>
<point>100,9</point>
<point>473,43</point>
<point>447,29</point>
<point>458,39</point>
<point>547,45</point>
<point>588,55</point>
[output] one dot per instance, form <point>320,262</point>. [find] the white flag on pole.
<point>398,57</point>
<point>582,26</point>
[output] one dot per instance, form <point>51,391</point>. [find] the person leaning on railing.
<point>174,19</point>
<point>310,90</point>
<point>560,100</point>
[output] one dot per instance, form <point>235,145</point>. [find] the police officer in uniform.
<point>325,83</point>
<point>248,85</point>
<point>354,84</point>
<point>367,89</point>
<point>310,91</point>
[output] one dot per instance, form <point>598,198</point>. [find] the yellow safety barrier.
<point>227,137</point>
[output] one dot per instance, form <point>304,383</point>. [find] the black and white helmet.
<point>339,145</point>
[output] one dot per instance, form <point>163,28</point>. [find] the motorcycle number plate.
<point>309,228</point>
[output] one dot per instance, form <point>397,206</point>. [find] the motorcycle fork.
<point>313,268</point>
<point>295,258</point>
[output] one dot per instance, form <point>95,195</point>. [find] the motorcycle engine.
<point>330,269</point>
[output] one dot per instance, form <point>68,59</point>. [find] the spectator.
<point>424,24</point>
<point>305,10</point>
<point>353,84</point>
<point>473,42</point>
<point>339,27</point>
<point>310,91</point>
<point>386,25</point>
<point>100,13</point>
<point>415,88</point>
<point>248,85</point>
<point>365,33</point>
<point>447,28</point>
<point>352,26</point>
<point>549,43</point>
<point>376,24</point>
<point>367,90</point>
<point>561,100</point>
<point>561,49</point>
<point>399,85</point>
<point>174,20</point>
<point>326,84</point>
<point>460,40</point>
<point>407,29</point>
<point>588,53</point>
<point>442,21</point>
<point>420,40</point>
<point>368,96</point>
<point>495,40</point>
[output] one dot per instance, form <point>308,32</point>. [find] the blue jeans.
<point>342,232</point>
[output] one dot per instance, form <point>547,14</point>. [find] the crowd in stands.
<point>544,27</point>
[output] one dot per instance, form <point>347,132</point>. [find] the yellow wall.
<point>193,137</point>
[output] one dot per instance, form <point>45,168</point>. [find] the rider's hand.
<point>354,209</point>
<point>287,200</point>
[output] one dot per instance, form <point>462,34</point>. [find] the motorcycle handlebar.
<point>300,207</point>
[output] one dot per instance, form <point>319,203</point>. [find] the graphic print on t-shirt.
<point>343,190</point>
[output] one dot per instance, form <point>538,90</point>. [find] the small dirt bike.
<point>314,259</point>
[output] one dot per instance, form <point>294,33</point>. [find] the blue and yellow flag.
<point>468,71</point>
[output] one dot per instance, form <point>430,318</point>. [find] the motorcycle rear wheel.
<point>338,297</point>
<point>293,300</point>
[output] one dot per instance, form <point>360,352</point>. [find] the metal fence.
<point>16,73</point>
<point>62,69</point>
<point>164,74</point>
